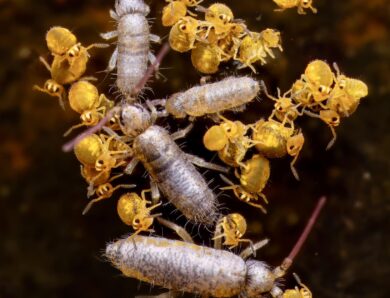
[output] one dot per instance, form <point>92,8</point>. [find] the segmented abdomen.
<point>179,265</point>
<point>177,178</point>
<point>213,98</point>
<point>133,50</point>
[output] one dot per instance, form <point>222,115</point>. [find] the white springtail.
<point>132,53</point>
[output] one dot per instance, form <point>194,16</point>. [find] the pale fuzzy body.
<point>132,53</point>
<point>182,266</point>
<point>213,98</point>
<point>133,50</point>
<point>176,176</point>
<point>124,7</point>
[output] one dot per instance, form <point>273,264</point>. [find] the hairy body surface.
<point>229,93</point>
<point>183,266</point>
<point>170,168</point>
<point>132,54</point>
<point>176,176</point>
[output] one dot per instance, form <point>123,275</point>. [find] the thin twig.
<point>67,147</point>
<point>298,245</point>
<point>152,68</point>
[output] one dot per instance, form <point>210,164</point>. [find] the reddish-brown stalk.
<point>298,245</point>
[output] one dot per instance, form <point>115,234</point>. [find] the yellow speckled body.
<point>286,3</point>
<point>318,80</point>
<point>233,229</point>
<point>65,73</point>
<point>177,9</point>
<point>215,138</point>
<point>59,40</point>
<point>272,138</point>
<point>301,94</point>
<point>270,38</point>
<point>206,58</point>
<point>300,4</point>
<point>128,206</point>
<point>318,72</point>
<point>133,211</point>
<point>84,99</point>
<point>172,13</point>
<point>330,117</point>
<point>346,95</point>
<point>230,43</point>
<point>94,151</point>
<point>249,49</point>
<point>285,109</point>
<point>219,15</point>
<point>255,174</point>
<point>182,35</point>
<point>88,150</point>
<point>233,152</point>
<point>229,140</point>
<point>302,292</point>
<point>92,176</point>
<point>83,96</point>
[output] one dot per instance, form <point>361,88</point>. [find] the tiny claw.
<point>296,176</point>
<point>61,103</point>
<point>330,144</point>
<point>86,209</point>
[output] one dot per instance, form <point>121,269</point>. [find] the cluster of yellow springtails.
<point>218,38</point>
<point>318,93</point>
<point>99,153</point>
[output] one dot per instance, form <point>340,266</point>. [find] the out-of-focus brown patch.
<point>358,32</point>
<point>15,160</point>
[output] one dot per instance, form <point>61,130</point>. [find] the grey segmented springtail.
<point>210,98</point>
<point>182,266</point>
<point>132,53</point>
<point>170,168</point>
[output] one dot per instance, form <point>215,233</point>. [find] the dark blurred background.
<point>48,249</point>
